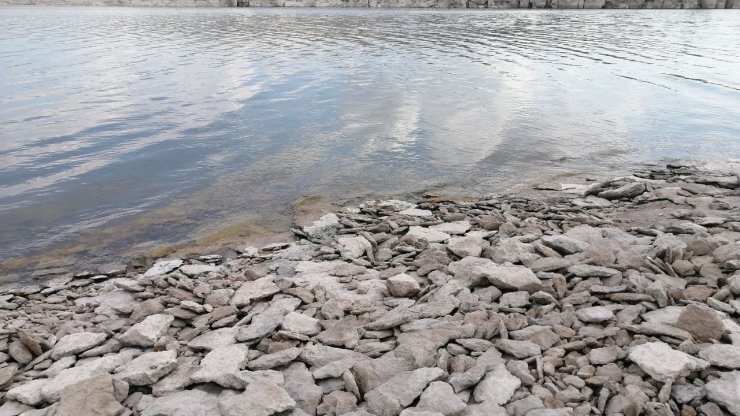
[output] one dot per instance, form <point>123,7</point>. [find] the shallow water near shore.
<point>124,129</point>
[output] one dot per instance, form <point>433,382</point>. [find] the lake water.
<point>124,128</point>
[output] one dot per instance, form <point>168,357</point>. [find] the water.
<point>130,127</point>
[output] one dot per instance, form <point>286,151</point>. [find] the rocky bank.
<point>616,297</point>
<point>440,4</point>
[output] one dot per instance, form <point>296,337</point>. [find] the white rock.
<point>29,393</point>
<point>223,366</point>
<point>466,246</point>
<point>353,247</point>
<point>725,391</point>
<point>301,324</point>
<point>402,285</point>
<point>147,332</point>
<point>324,227</point>
<point>213,339</point>
<point>163,267</point>
<point>52,390</point>
<point>256,289</point>
<point>428,234</point>
<point>148,368</point>
<point>722,355</point>
<point>194,270</point>
<point>663,363</point>
<point>454,228</point>
<point>184,403</point>
<point>440,397</point>
<point>595,314</point>
<point>258,399</point>
<point>416,212</point>
<point>400,391</point>
<point>497,387</point>
<point>76,343</point>
<point>513,277</point>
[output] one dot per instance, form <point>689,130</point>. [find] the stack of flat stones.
<point>617,297</point>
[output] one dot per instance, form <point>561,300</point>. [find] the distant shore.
<point>410,4</point>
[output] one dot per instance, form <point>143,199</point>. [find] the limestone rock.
<point>663,363</point>
<point>725,391</point>
<point>148,368</point>
<point>439,396</point>
<point>402,285</point>
<point>254,290</point>
<point>301,324</point>
<point>275,359</point>
<point>722,355</point>
<point>401,390</point>
<point>183,403</point>
<point>147,332</point>
<point>163,267</point>
<point>98,396</point>
<point>497,387</point>
<point>514,278</point>
<point>701,322</point>
<point>223,366</point>
<point>258,399</point>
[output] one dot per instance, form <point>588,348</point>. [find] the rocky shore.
<point>418,4</point>
<point>616,297</point>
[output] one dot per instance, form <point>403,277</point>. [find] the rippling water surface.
<point>139,126</point>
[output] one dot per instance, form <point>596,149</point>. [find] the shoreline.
<point>598,297</point>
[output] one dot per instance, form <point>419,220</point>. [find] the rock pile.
<point>614,298</point>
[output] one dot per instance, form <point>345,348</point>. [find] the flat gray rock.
<point>147,332</point>
<point>497,387</point>
<point>725,391</point>
<point>663,363</point>
<point>76,343</point>
<point>254,290</point>
<point>183,403</point>
<point>223,366</point>
<point>722,355</point>
<point>148,368</point>
<point>258,399</point>
<point>400,391</point>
